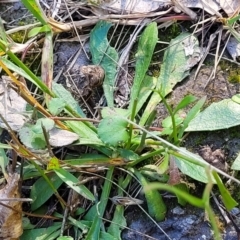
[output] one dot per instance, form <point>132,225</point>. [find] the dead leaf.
<point>59,138</point>
<point>11,218</point>
<point>229,6</point>
<point>12,106</point>
<point>146,6</point>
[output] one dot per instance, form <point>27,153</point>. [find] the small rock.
<point>178,211</point>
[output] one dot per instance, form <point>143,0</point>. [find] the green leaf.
<point>118,222</point>
<point>36,10</point>
<point>173,70</point>
<point>184,102</point>
<point>191,114</point>
<point>3,161</point>
<point>65,238</point>
<point>113,131</point>
<point>236,98</point>
<point>167,122</point>
<point>227,199</point>
<point>146,45</point>
<point>78,223</point>
<point>42,233</point>
<point>41,191</point>
<point>71,180</point>
<point>129,155</point>
<point>45,122</point>
<point>108,112</point>
<point>67,98</point>
<point>31,139</point>
<point>32,135</point>
<point>236,163</point>
<point>105,56</point>
<point>106,236</point>
<point>100,207</point>
<point>220,115</point>
<point>24,71</point>
<point>147,86</point>
<point>5,146</point>
<point>192,170</point>
<point>156,207</point>
<point>184,195</point>
<point>84,131</point>
<point>35,31</point>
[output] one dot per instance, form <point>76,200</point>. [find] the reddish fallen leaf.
<point>10,211</point>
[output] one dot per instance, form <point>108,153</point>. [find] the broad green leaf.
<point>42,233</point>
<point>108,112</point>
<point>34,7</point>
<point>32,135</point>
<point>156,207</point>
<point>47,123</point>
<point>227,199</point>
<point>41,191</point>
<point>113,131</point>
<point>236,163</point>
<point>192,170</point>
<point>220,115</point>
<point>67,98</point>
<point>105,56</point>
<point>31,139</point>
<point>146,45</point>
<point>174,69</point>
<point>71,181</point>
<point>56,105</point>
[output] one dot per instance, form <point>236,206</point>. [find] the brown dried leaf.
<point>12,215</point>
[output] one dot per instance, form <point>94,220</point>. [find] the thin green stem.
<point>131,125</point>
<point>146,156</point>
<point>148,124</point>
<point>172,118</point>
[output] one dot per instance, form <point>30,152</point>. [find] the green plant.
<point>122,138</point>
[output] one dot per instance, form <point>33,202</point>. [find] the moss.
<point>233,69</point>
<point>19,37</point>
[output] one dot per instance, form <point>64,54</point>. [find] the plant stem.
<point>172,118</point>
<point>148,123</point>
<point>146,156</point>
<point>131,125</point>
